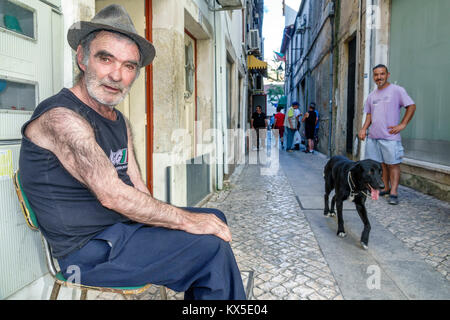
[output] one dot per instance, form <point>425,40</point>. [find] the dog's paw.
<point>341,234</point>
<point>364,245</point>
<point>329,214</point>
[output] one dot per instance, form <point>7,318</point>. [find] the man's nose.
<point>116,74</point>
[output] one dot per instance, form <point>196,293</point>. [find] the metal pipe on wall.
<point>330,102</point>
<point>367,56</point>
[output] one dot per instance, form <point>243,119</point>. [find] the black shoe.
<point>393,199</point>
<point>385,193</point>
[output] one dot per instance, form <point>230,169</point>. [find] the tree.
<point>274,93</point>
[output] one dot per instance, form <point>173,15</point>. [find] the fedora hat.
<point>112,18</point>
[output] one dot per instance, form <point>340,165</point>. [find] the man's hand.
<point>396,129</point>
<point>201,223</point>
<point>362,134</point>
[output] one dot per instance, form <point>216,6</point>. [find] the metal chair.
<point>32,223</point>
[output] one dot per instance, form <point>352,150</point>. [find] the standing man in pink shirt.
<point>384,144</point>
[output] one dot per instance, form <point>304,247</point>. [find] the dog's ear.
<point>355,169</point>
<point>355,166</point>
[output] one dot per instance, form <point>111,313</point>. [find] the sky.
<point>273,26</point>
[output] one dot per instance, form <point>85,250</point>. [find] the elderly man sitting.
<point>80,174</point>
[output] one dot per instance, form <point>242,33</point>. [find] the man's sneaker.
<point>393,199</point>
<point>385,193</point>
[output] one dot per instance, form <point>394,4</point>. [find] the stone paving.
<point>272,237</point>
<point>421,222</point>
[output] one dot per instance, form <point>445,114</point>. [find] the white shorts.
<point>386,151</point>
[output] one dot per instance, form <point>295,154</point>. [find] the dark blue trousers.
<point>203,266</point>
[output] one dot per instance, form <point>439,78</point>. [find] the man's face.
<point>258,109</point>
<point>111,69</point>
<point>295,106</point>
<point>380,76</point>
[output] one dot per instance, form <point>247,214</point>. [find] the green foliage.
<point>274,93</point>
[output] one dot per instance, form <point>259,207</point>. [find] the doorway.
<point>351,77</point>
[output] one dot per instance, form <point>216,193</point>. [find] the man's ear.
<point>80,56</point>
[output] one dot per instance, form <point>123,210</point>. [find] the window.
<point>189,68</point>
<point>17,95</point>
<point>17,18</point>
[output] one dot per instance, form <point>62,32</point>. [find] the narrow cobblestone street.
<point>287,250</point>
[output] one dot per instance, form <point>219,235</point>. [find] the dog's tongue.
<point>374,193</point>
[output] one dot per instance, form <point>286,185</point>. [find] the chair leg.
<point>83,294</point>
<point>55,291</point>
<point>163,292</point>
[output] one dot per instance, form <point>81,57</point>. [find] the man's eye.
<point>131,67</point>
<point>104,59</point>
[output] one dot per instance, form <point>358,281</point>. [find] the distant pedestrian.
<point>279,123</point>
<point>316,131</point>
<point>297,138</point>
<point>383,116</point>
<point>271,122</point>
<point>310,119</point>
<point>259,123</point>
<point>291,125</point>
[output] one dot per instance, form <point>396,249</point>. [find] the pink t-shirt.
<point>384,106</point>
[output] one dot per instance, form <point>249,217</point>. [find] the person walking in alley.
<point>80,174</point>
<point>291,125</point>
<point>384,144</point>
<point>279,123</point>
<point>310,119</point>
<point>259,124</point>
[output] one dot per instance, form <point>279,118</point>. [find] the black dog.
<point>352,180</point>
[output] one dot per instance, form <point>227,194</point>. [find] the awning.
<point>254,63</point>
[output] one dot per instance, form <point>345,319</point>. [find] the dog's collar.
<point>350,182</point>
<point>349,178</point>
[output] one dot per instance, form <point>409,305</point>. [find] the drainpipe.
<point>367,56</point>
<point>219,176</point>
<point>330,103</point>
<point>149,98</point>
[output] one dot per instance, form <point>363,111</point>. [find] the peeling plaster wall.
<point>168,89</point>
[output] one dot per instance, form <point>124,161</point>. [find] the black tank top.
<point>68,213</point>
<point>310,122</point>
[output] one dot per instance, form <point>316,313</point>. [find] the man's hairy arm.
<point>71,138</point>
